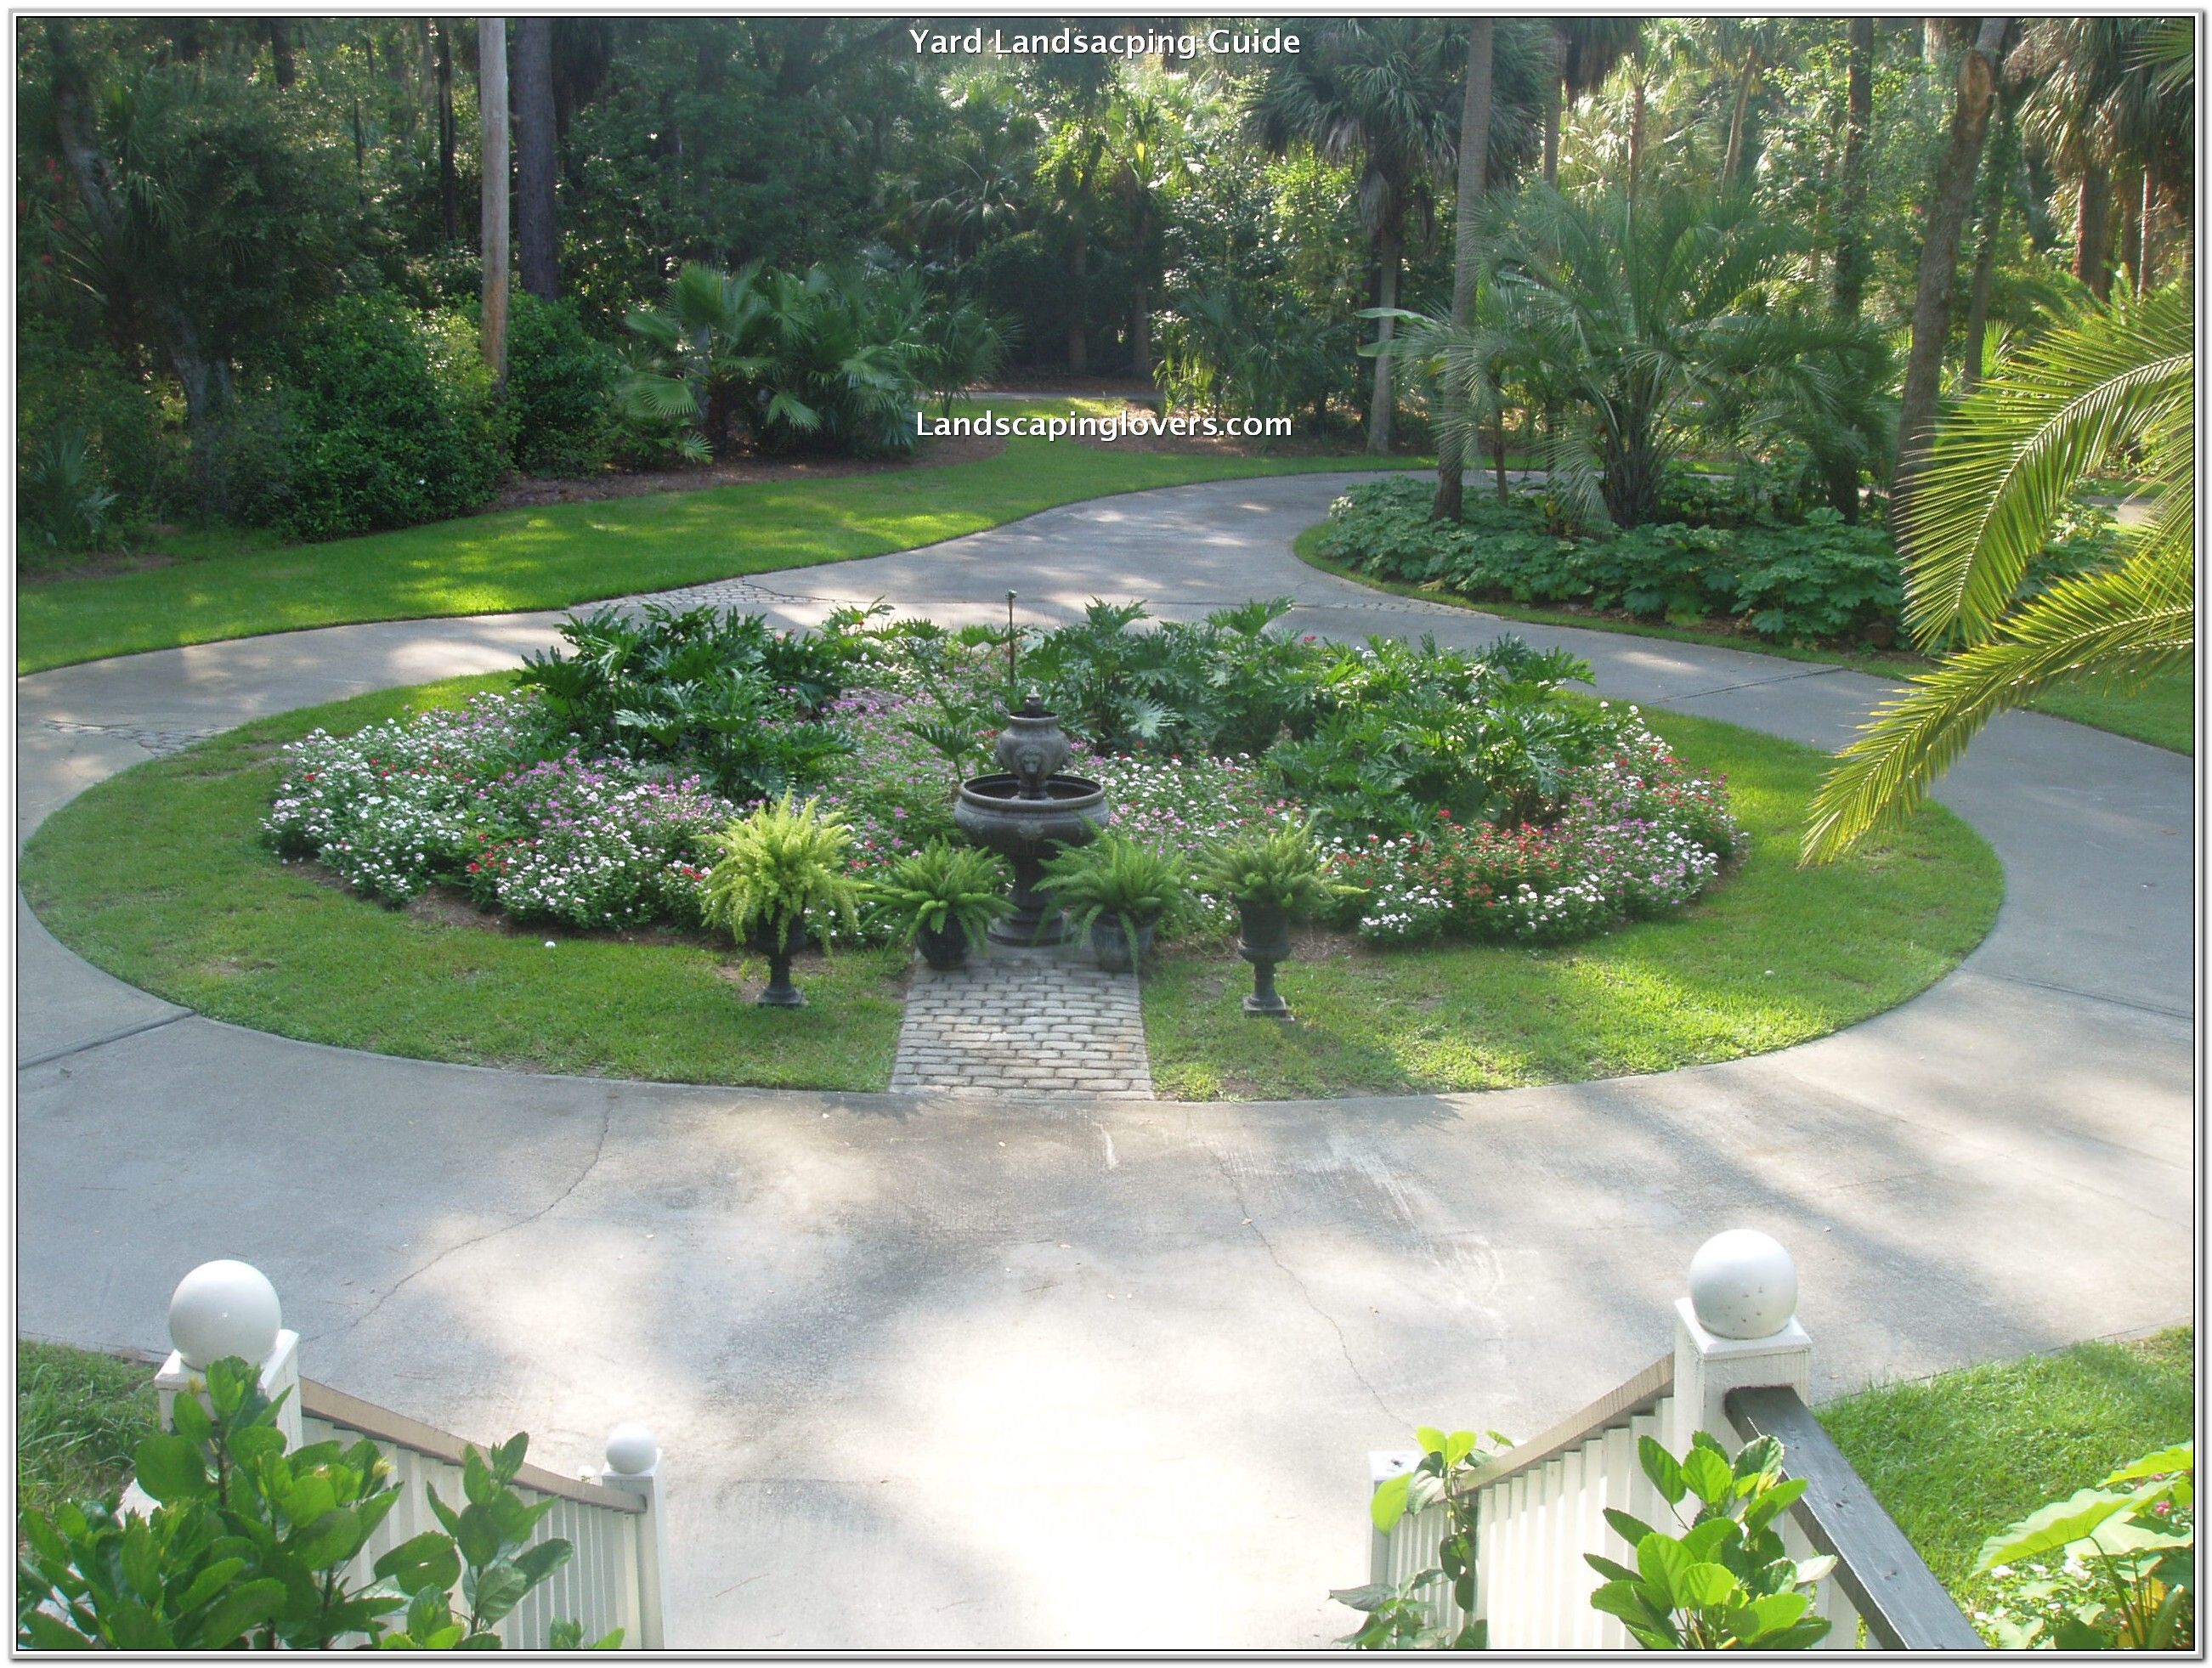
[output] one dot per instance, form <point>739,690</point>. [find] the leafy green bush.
<point>1816,581</point>
<point>559,390</point>
<point>247,1544</point>
<point>66,386</point>
<point>382,418</point>
<point>776,867</point>
<point>62,505</point>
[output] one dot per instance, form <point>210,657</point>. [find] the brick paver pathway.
<point>1025,1021</point>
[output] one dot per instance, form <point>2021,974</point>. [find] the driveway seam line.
<point>52,1055</point>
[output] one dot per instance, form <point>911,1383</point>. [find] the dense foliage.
<point>1812,579</point>
<point>248,1545</point>
<point>1453,793</point>
<point>1696,232</point>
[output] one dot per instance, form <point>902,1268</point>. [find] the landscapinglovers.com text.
<point>1119,426</point>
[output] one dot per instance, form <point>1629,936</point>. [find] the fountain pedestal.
<point>1026,811</point>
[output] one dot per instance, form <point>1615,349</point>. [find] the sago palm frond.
<point>2119,626</point>
<point>2008,455</point>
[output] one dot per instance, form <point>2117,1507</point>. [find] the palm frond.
<point>2007,457</point>
<point>2135,620</point>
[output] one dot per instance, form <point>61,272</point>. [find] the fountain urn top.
<point>1032,748</point>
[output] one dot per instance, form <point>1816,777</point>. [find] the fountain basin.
<point>1025,828</point>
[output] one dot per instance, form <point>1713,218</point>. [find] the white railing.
<point>1542,1506</point>
<point>612,1520</point>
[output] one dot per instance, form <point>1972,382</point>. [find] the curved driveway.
<point>940,1374</point>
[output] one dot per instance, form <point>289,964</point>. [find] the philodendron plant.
<point>1725,1583</point>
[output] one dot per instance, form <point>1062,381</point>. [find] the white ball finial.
<point>1742,1284</point>
<point>631,1450</point>
<point>225,1307</point>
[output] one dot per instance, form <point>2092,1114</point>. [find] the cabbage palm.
<point>2110,380</point>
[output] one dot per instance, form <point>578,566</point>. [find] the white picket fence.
<point>1542,1506</point>
<point>613,1520</point>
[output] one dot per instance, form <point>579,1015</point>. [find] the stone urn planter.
<point>1263,938</point>
<point>1110,943</point>
<point>781,992</point>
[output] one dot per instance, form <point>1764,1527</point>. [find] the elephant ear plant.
<point>945,897</point>
<point>774,869</point>
<point>1270,877</point>
<point>1118,891</point>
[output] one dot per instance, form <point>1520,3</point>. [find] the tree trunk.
<point>1555,92</point>
<point>491,100</point>
<point>449,178</point>
<point>1497,452</point>
<point>1466,262</point>
<point>1391,246</point>
<point>2093,229</point>
<point>2149,226</point>
<point>1851,262</point>
<point>1940,230</point>
<point>2131,226</point>
<point>280,53</point>
<point>1140,335</point>
<point>1732,163</point>
<point>1078,274</point>
<point>1636,139</point>
<point>1996,180</point>
<point>537,226</point>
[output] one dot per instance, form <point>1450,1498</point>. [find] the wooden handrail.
<point>1617,1406</point>
<point>1904,1606</point>
<point>319,1401</point>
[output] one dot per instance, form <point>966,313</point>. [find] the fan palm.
<point>2112,379</point>
<point>1653,325</point>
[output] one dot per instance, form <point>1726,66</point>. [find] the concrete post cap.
<point>1743,1285</point>
<point>631,1450</point>
<point>225,1307</point>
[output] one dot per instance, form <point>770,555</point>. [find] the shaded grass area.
<point>230,585</point>
<point>1955,1458</point>
<point>158,874</point>
<point>78,1416</point>
<point>1776,955</point>
<point>2162,712</point>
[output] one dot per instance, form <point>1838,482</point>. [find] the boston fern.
<point>778,865</point>
<point>1278,870</point>
<point>938,887</point>
<point>1119,880</point>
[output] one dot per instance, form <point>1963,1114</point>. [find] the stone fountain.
<point>1025,811</point>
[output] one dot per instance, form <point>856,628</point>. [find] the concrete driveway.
<point>932,1372</point>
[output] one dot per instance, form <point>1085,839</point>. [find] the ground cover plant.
<point>1806,578</point>
<point>1956,1458</point>
<point>541,890</point>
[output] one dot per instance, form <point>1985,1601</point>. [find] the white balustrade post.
<point>1737,1329</point>
<point>634,1467</point>
<point>223,1308</point>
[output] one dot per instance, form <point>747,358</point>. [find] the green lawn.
<point>2163,713</point>
<point>1956,1458</point>
<point>1776,956</point>
<point>78,1416</point>
<point>159,876</point>
<point>229,586</point>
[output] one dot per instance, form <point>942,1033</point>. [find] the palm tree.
<point>2112,379</point>
<point>1648,327</point>
<point>1584,51</point>
<point>1384,95</point>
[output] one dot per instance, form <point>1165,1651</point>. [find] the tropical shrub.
<point>560,390</point>
<point>380,418</point>
<point>2111,1568</point>
<point>63,504</point>
<point>1399,1618</point>
<point>1726,1583</point>
<point>248,1545</point>
<point>787,360</point>
<point>960,345</point>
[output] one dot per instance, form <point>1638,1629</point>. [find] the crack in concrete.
<point>1343,1343</point>
<point>598,1151</point>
